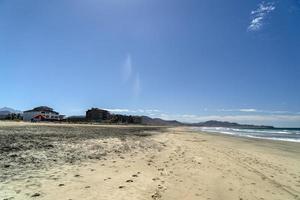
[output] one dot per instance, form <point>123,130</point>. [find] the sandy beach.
<point>75,162</point>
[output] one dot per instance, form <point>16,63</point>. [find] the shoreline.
<point>171,164</point>
<point>247,138</point>
<point>274,138</point>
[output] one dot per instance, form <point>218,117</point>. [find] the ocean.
<point>283,134</point>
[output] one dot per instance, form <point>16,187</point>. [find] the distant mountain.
<point>160,122</point>
<point>214,123</point>
<point>7,110</point>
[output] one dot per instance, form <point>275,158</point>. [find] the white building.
<point>42,113</point>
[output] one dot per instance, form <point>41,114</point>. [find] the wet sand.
<point>150,163</point>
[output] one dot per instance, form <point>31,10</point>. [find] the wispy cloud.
<point>131,111</point>
<point>137,85</point>
<point>152,110</point>
<point>127,68</point>
<point>258,15</point>
<point>118,110</point>
<point>248,110</point>
<point>131,76</point>
<point>253,110</point>
<point>238,110</point>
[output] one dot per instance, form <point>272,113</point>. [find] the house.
<point>4,114</point>
<point>96,114</point>
<point>42,113</point>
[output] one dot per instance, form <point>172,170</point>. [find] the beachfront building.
<point>42,113</point>
<point>96,114</point>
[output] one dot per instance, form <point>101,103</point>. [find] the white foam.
<point>270,134</point>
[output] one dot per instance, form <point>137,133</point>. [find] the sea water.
<point>284,134</point>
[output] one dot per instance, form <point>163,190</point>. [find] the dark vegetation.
<point>12,116</point>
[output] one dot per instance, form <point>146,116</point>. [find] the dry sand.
<point>148,163</point>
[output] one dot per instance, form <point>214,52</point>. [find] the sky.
<point>189,60</point>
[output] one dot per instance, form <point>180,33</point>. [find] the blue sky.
<point>189,60</point>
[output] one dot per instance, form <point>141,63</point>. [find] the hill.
<point>214,123</point>
<point>160,122</point>
<point>8,110</point>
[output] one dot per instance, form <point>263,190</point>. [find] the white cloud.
<point>258,111</point>
<point>258,15</point>
<point>238,110</point>
<point>248,110</point>
<point>189,116</point>
<point>137,112</point>
<point>118,110</point>
<point>251,118</point>
<point>152,111</point>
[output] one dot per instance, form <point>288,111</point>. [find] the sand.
<point>173,163</point>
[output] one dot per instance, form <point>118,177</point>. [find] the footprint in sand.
<point>156,195</point>
<point>129,181</point>
<point>60,185</point>
<point>36,195</point>
<point>18,191</point>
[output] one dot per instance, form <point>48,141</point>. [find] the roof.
<point>96,109</point>
<point>42,108</point>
